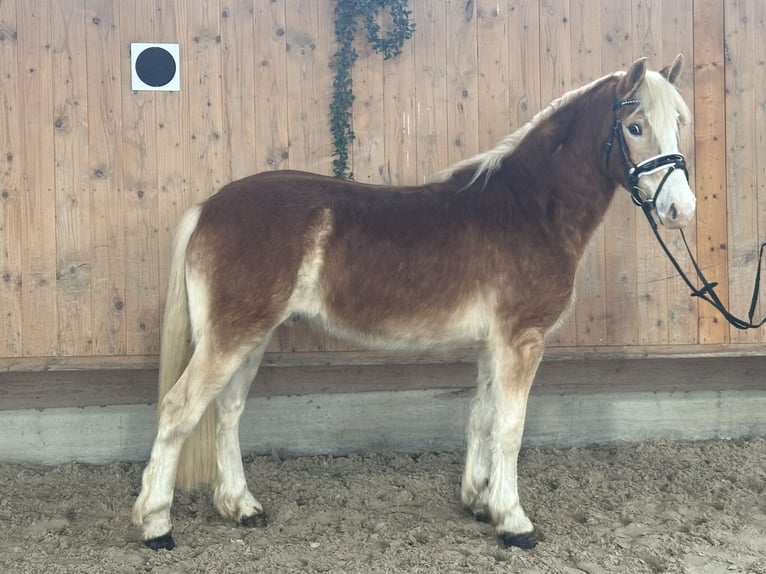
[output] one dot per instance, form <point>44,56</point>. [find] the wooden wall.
<point>95,176</point>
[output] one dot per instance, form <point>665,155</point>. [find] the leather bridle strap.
<point>673,162</point>
<point>707,291</point>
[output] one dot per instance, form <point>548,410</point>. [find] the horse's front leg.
<point>474,490</point>
<point>515,363</point>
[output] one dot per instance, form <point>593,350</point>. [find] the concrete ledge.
<point>413,420</point>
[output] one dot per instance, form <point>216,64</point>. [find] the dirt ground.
<point>653,507</point>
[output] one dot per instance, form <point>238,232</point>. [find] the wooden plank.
<point>173,193</point>
<point>462,81</point>
<point>309,43</point>
<point>430,86</point>
<point>272,145</point>
<point>555,80</point>
<point>367,151</point>
<point>710,143</point>
<point>73,223</point>
<point>524,61</point>
<point>271,126</point>
<point>741,192</point>
<point>200,22</point>
<point>678,38</point>
<point>358,358</point>
<point>555,56</point>
<point>590,308</point>
<point>759,79</point>
<point>103,57</point>
<point>139,174</point>
<point>10,184</point>
<point>651,262</point>
<point>621,296</point>
<point>238,47</point>
<point>399,114</point>
<point>63,389</point>
<point>494,80</point>
<point>39,314</point>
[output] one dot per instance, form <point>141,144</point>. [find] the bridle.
<point>672,162</point>
<point>633,171</point>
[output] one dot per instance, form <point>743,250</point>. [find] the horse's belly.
<point>390,328</point>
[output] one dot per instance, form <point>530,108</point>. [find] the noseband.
<point>672,162</point>
<point>633,171</point>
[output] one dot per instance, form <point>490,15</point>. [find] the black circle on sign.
<point>155,67</point>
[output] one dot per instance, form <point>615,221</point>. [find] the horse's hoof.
<point>482,516</point>
<point>164,542</point>
<point>255,521</point>
<point>524,541</point>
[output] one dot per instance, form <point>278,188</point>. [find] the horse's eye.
<point>635,129</point>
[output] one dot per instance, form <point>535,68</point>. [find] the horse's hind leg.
<point>515,364</point>
<point>180,411</point>
<point>477,461</point>
<point>232,497</point>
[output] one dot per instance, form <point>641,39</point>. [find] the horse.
<point>485,254</point>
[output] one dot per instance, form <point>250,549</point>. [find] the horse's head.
<point>651,124</point>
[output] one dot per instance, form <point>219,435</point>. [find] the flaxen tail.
<point>197,464</point>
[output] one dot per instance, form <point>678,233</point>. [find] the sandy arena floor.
<point>656,507</point>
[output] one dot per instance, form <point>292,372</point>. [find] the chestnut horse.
<point>484,254</point>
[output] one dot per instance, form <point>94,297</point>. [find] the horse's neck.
<point>567,156</point>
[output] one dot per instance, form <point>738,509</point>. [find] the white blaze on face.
<point>668,117</point>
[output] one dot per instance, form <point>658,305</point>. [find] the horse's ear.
<point>671,72</point>
<point>632,79</point>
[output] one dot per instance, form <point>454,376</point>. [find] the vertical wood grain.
<point>103,55</point>
<point>759,79</point>
<point>238,47</point>
<point>494,80</point>
<point>94,177</point>
<point>620,223</point>
<point>399,114</point>
<point>173,161</point>
<point>38,229</point>
<point>368,150</point>
<point>462,81</point>
<point>524,60</point>
<point>430,86</point>
<point>308,46</point>
<point>555,80</point>
<point>741,142</point>
<point>272,149</point>
<point>203,101</point>
<point>11,136</point>
<point>651,262</point>
<point>678,38</point>
<point>73,223</point>
<point>710,143</point>
<point>140,198</point>
<point>590,309</point>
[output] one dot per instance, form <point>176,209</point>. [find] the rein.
<point>673,162</point>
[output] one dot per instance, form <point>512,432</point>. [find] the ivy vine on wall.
<point>390,45</point>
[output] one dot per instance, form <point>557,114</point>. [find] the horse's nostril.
<point>673,212</point>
